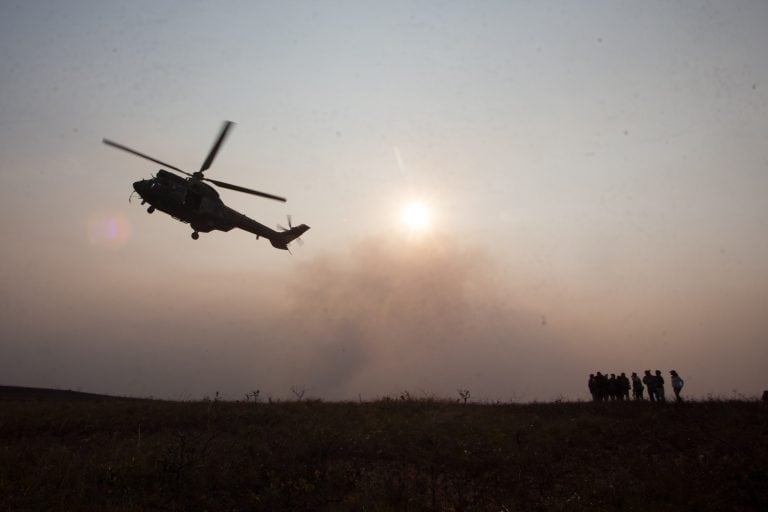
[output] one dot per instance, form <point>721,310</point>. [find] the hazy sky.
<point>596,175</point>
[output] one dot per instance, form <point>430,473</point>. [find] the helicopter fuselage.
<point>199,205</point>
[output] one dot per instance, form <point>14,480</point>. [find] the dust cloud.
<point>426,318</point>
<point>384,317</point>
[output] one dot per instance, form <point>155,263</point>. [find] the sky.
<point>594,177</point>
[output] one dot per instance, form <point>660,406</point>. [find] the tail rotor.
<point>290,229</point>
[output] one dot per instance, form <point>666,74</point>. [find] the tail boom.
<point>278,239</point>
<point>282,239</point>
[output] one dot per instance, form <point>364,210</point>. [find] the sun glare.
<point>415,216</point>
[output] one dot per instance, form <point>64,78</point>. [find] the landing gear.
<point>150,209</point>
<point>195,235</point>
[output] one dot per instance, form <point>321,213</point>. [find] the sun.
<point>416,216</point>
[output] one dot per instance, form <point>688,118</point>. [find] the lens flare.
<point>109,230</point>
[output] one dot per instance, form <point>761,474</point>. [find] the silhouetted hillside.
<point>133,455</point>
<point>24,393</point>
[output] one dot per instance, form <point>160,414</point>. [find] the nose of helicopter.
<point>141,186</point>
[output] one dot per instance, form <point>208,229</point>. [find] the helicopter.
<point>194,202</point>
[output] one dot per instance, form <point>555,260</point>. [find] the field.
<point>69,451</point>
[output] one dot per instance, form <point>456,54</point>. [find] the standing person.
<point>592,387</point>
<point>650,383</point>
<point>624,386</point>
<point>659,387</point>
<point>613,387</point>
<point>637,387</point>
<point>677,385</point>
<point>601,384</point>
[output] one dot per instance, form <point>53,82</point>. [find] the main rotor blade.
<point>217,145</point>
<point>243,189</point>
<point>142,155</point>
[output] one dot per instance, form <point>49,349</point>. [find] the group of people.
<point>616,387</point>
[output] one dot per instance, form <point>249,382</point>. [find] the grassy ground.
<point>131,455</point>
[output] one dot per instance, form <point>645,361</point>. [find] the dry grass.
<point>131,455</point>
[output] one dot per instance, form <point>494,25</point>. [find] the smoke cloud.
<point>385,316</point>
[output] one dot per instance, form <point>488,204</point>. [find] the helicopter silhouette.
<point>196,203</point>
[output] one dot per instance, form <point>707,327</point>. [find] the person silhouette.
<point>637,387</point>
<point>613,387</point>
<point>659,387</point>
<point>677,384</point>
<point>623,386</point>
<point>650,383</point>
<point>601,383</point>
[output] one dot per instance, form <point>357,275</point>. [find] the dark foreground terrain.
<point>61,452</point>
